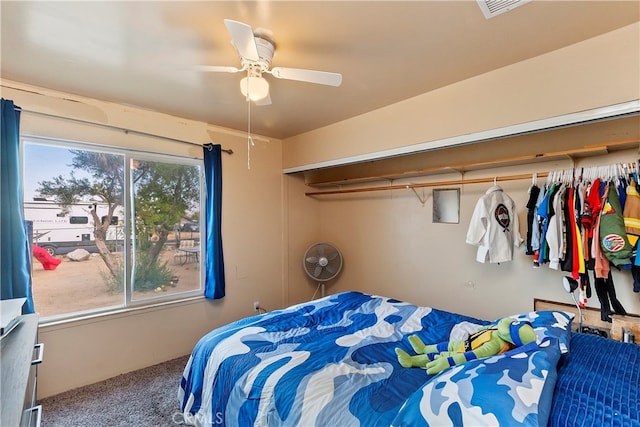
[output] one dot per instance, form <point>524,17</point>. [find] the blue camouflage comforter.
<point>331,362</point>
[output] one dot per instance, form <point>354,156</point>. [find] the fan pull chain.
<point>249,138</point>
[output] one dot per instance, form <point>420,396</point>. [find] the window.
<point>114,220</point>
<point>127,210</point>
<point>79,220</point>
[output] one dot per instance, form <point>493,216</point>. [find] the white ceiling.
<point>144,53</point>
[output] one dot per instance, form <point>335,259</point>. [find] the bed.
<point>332,362</point>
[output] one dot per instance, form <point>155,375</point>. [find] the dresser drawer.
<point>20,358</point>
<point>32,414</point>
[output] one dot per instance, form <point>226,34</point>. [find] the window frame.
<point>129,215</point>
<point>128,303</point>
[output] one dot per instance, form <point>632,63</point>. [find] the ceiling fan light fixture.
<point>254,88</point>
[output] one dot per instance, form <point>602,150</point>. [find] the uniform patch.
<point>613,242</point>
<point>502,216</point>
<point>607,209</point>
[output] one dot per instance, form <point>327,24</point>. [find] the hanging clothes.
<point>536,234</point>
<point>537,229</point>
<point>578,250</point>
<point>593,201</point>
<point>586,224</point>
<point>569,254</point>
<point>592,207</point>
<point>534,192</point>
<point>608,300</point>
<point>631,213</point>
<point>494,227</point>
<point>621,186</point>
<point>585,284</point>
<point>613,237</point>
<point>555,235</point>
<point>633,229</point>
<point>635,273</point>
<point>543,214</point>
<point>600,262</point>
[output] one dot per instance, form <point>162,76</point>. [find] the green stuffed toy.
<point>490,340</point>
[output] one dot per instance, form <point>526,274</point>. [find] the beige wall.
<point>591,74</point>
<point>390,245</point>
<point>83,352</point>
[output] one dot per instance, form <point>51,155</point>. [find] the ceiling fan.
<point>256,51</point>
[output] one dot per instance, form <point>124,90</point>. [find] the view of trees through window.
<point>110,228</point>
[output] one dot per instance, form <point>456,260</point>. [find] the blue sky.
<point>41,163</point>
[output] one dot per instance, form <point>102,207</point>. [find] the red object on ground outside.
<point>47,261</point>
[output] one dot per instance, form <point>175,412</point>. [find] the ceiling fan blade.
<point>217,68</point>
<point>310,76</point>
<point>317,271</point>
<point>243,39</point>
<point>312,259</point>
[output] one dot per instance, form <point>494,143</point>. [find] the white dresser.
<point>19,358</point>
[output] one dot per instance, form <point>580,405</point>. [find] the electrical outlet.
<point>256,305</point>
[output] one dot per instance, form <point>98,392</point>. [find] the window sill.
<point>115,312</point>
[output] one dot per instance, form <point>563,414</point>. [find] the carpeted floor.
<point>148,397</point>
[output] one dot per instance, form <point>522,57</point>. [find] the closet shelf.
<point>426,184</point>
<point>586,151</point>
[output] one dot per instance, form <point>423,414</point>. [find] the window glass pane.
<point>166,236</point>
<point>79,220</point>
<point>70,195</point>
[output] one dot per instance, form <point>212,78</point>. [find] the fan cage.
<point>313,261</point>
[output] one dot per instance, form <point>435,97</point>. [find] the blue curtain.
<point>214,261</point>
<point>15,253</point>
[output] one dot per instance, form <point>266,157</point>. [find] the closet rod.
<point>429,184</point>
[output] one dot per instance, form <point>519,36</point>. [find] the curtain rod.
<point>126,131</point>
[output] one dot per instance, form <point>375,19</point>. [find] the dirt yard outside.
<point>80,285</point>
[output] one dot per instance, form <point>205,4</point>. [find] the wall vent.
<point>491,8</point>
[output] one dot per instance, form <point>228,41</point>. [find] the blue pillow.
<point>513,388</point>
<point>550,324</point>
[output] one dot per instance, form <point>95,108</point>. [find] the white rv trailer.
<point>60,230</point>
